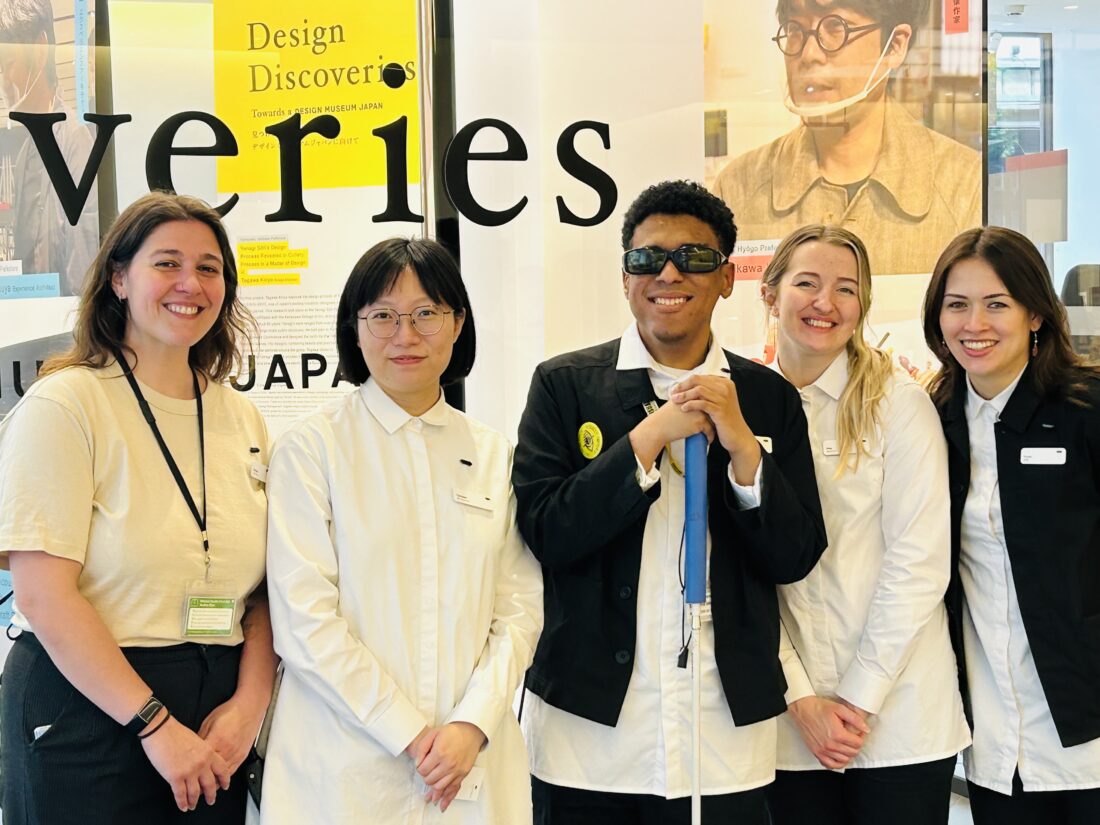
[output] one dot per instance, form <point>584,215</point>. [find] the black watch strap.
<point>144,716</point>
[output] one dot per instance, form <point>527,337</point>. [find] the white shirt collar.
<point>391,416</point>
<point>831,382</point>
<point>975,402</point>
<point>633,355</point>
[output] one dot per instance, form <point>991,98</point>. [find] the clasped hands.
<point>705,404</point>
<point>833,730</point>
<point>200,764</point>
<point>443,756</point>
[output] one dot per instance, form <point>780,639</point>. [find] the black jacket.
<point>584,520</point>
<point>1051,517</point>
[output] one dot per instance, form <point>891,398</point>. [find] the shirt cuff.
<point>862,688</point>
<point>646,480</point>
<point>798,686</point>
<point>748,497</point>
<point>484,713</point>
<point>398,726</point>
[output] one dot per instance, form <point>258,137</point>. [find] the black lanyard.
<point>200,518</point>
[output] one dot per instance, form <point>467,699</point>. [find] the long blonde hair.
<point>869,369</point>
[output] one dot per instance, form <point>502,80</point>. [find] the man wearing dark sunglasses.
<point>598,476</point>
<point>858,159</point>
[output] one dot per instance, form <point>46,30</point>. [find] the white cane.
<point>695,594</point>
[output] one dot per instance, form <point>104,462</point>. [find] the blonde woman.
<point>874,719</point>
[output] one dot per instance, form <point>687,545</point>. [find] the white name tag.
<point>765,442</point>
<point>258,471</point>
<point>471,785</point>
<point>1043,455</point>
<point>474,500</point>
<point>831,447</point>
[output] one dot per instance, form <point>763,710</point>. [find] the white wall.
<point>1077,128</point>
<point>539,287</point>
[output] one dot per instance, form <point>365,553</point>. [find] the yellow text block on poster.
<point>269,255</point>
<point>326,57</point>
<point>272,279</point>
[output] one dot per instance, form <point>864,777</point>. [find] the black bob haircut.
<point>374,275</point>
<point>682,197</point>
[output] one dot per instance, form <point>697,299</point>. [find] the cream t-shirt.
<point>82,478</point>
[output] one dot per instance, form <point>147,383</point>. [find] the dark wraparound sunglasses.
<point>689,258</point>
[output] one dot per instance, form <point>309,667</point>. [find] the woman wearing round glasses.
<point>867,657</point>
<point>858,159</point>
<point>405,605</point>
<point>1021,413</point>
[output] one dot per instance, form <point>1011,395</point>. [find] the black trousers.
<point>1033,807</point>
<point>904,795</point>
<point>557,805</point>
<point>86,769</point>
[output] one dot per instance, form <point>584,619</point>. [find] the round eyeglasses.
<point>383,323</point>
<point>832,34</point>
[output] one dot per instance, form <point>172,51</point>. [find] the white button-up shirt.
<point>868,624</point>
<point>401,596</point>
<point>649,750</point>
<point>1013,728</point>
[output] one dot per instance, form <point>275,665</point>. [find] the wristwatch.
<point>144,716</point>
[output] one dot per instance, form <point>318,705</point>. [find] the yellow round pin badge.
<point>590,439</point>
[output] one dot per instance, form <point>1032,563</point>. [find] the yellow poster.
<point>353,59</point>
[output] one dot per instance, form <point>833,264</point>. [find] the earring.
<point>943,343</point>
<point>1034,343</point>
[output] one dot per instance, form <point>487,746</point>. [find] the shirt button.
<point>622,657</point>
<point>625,592</point>
<point>416,424</point>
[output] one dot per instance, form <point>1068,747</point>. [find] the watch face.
<point>147,713</point>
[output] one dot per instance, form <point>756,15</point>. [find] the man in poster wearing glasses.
<point>858,159</point>
<point>598,476</point>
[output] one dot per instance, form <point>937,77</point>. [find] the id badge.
<point>832,447</point>
<point>1043,455</point>
<point>209,609</point>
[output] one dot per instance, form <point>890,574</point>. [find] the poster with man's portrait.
<point>862,113</point>
<point>865,113</point>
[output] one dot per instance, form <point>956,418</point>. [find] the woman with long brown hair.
<point>1022,418</point>
<point>133,521</point>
